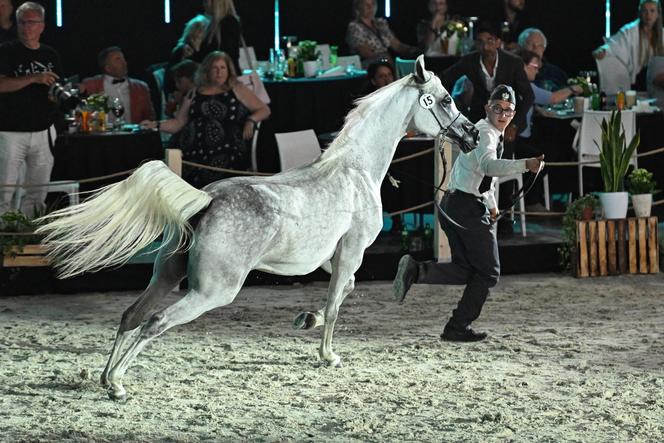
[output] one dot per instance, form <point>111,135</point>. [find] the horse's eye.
<point>447,100</point>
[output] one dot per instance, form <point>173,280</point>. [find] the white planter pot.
<point>642,204</point>
<point>310,68</point>
<point>614,204</point>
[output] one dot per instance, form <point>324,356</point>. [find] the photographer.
<point>28,69</point>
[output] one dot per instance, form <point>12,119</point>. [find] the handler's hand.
<point>599,53</point>
<point>533,164</point>
<point>45,78</point>
<point>148,124</point>
<point>493,213</point>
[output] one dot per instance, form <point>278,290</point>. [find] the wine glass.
<point>117,108</point>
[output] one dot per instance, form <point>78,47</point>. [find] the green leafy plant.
<point>307,51</point>
<point>580,209</point>
<point>455,27</point>
<point>16,231</point>
<point>97,102</point>
<point>587,88</point>
<point>640,181</point>
<point>614,155</point>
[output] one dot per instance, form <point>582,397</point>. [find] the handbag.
<point>253,80</point>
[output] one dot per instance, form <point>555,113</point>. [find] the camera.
<point>64,97</point>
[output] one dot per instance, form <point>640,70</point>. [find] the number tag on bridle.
<point>427,101</point>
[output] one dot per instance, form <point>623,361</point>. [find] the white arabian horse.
<point>324,215</point>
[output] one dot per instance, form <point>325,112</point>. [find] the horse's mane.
<point>358,114</point>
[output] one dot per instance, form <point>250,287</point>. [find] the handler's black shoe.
<point>462,335</point>
<point>407,273</point>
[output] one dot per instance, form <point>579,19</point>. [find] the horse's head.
<point>436,113</point>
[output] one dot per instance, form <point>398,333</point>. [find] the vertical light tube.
<point>388,8</point>
<point>607,14</point>
<point>58,13</point>
<point>276,24</point>
<point>167,11</point>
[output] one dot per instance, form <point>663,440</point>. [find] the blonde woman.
<point>621,61</point>
<point>222,32</point>
<point>215,121</point>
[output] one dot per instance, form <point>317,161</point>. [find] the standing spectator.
<point>222,32</point>
<point>550,76</point>
<point>114,82</point>
<point>188,45</point>
<point>28,68</point>
<point>510,16</point>
<point>7,26</point>
<point>371,37</point>
<point>430,30</point>
<point>216,120</point>
<point>622,60</point>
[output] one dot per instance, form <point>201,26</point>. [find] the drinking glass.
<point>117,108</point>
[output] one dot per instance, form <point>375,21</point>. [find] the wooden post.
<point>441,248</point>
<point>174,160</point>
<point>622,255</point>
<point>601,240</point>
<point>631,241</point>
<point>611,238</point>
<point>653,245</point>
<point>592,244</point>
<point>582,253</point>
<point>643,256</point>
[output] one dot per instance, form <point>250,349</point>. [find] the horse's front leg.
<point>345,262</point>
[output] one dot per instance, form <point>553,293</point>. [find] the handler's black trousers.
<point>475,262</point>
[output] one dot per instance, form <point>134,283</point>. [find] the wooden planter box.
<point>612,247</point>
<point>29,255</point>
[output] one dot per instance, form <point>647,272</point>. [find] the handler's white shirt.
<point>469,169</point>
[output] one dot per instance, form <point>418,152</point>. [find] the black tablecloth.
<point>555,136</point>
<point>318,104</point>
<point>80,156</point>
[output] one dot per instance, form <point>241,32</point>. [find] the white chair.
<point>247,64</point>
<point>348,60</point>
<point>522,206</point>
<point>297,148</point>
<point>254,146</point>
<point>590,132</point>
<point>404,67</point>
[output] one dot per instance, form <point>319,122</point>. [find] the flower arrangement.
<point>588,88</point>
<point>97,102</point>
<point>307,51</point>
<point>640,181</point>
<point>453,27</point>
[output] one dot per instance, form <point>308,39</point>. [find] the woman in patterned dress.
<point>215,121</point>
<point>371,37</point>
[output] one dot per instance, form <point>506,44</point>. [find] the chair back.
<point>297,148</point>
<point>324,55</point>
<point>244,63</point>
<point>590,131</point>
<point>404,67</point>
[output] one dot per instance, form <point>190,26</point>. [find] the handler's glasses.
<point>499,110</point>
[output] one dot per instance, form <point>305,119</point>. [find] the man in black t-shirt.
<point>28,69</point>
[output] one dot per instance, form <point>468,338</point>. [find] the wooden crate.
<point>29,255</point>
<point>612,247</point>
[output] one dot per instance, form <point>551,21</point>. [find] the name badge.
<point>427,101</point>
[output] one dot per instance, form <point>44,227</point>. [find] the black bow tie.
<point>118,80</point>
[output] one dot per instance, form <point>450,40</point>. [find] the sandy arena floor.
<point>567,360</point>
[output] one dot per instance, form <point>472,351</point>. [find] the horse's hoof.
<point>304,320</point>
<point>103,380</point>
<point>117,394</point>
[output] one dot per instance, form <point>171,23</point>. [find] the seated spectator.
<point>380,73</point>
<point>371,37</point>
<point>622,60</point>
<point>524,146</point>
<point>188,45</point>
<point>512,19</point>
<point>215,121</point>
<point>7,26</point>
<point>114,82</point>
<point>430,30</point>
<point>550,76</point>
<point>182,76</point>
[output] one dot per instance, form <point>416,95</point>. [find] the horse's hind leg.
<point>169,270</point>
<point>190,307</point>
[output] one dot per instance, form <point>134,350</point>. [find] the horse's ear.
<point>421,74</point>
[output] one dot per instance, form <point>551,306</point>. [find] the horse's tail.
<point>121,219</point>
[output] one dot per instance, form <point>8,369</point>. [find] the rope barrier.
<point>83,180</point>
<point>594,162</point>
<point>230,171</point>
<point>411,156</point>
<point>411,209</point>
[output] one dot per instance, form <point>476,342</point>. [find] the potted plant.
<point>614,159</point>
<point>307,54</point>
<point>582,208</point>
<point>16,233</point>
<point>641,186</point>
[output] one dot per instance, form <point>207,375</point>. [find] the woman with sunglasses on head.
<point>470,203</point>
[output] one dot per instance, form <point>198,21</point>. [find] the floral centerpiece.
<point>97,102</point>
<point>307,57</point>
<point>587,87</point>
<point>641,186</point>
<point>454,27</point>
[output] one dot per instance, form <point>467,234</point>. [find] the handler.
<point>470,202</point>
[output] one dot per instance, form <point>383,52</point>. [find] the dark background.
<point>574,27</point>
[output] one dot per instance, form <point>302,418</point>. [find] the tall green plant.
<point>614,153</point>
